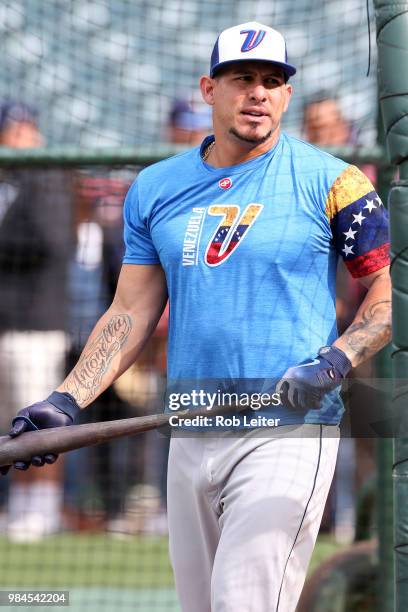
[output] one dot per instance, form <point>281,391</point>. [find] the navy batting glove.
<point>303,386</point>
<point>58,410</point>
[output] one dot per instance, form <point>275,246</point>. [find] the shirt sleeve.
<point>139,247</point>
<point>359,223</point>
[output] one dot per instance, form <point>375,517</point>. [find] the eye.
<point>273,82</point>
<point>243,77</point>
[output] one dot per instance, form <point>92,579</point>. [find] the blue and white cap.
<point>250,41</point>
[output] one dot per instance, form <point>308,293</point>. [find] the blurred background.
<point>105,73</point>
<point>103,77</point>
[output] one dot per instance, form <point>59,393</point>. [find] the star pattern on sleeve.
<point>348,250</point>
<point>359,218</point>
<point>359,223</point>
<point>370,205</point>
<point>349,235</point>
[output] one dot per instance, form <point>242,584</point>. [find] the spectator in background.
<point>189,122</point>
<point>93,273</point>
<point>325,125</point>
<point>35,241</point>
<point>18,126</point>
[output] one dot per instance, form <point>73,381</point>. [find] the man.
<point>189,122</point>
<point>19,126</point>
<point>324,123</point>
<point>243,234</point>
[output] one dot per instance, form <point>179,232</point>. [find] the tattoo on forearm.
<point>86,378</point>
<point>373,332</point>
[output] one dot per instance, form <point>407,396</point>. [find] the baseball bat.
<point>62,439</point>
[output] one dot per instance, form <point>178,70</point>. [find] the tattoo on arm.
<point>369,335</point>
<point>86,378</point>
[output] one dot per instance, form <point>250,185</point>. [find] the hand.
<point>303,386</point>
<point>58,410</point>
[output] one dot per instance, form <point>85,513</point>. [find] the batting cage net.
<point>107,72</point>
<point>113,74</point>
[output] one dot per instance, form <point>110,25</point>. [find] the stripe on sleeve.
<point>348,187</point>
<point>359,223</point>
<point>360,227</point>
<point>369,262</point>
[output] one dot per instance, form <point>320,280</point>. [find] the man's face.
<point>248,100</point>
<point>325,125</point>
<point>20,135</point>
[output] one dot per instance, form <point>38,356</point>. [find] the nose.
<point>258,93</point>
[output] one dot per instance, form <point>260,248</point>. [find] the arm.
<point>370,330</point>
<point>116,341</point>
<point>120,334</point>
<point>360,231</point>
<point>304,385</point>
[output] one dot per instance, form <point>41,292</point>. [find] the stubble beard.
<point>256,141</point>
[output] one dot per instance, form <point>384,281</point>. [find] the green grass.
<point>100,560</point>
<point>79,560</point>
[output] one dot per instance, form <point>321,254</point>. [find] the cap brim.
<point>287,68</point>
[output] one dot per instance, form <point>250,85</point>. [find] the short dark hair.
<point>18,112</point>
<point>317,98</point>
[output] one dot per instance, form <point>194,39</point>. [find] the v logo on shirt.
<point>230,231</point>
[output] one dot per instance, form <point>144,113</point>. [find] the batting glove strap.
<point>64,402</point>
<point>336,358</point>
<point>22,417</point>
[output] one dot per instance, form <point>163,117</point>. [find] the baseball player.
<point>243,234</point>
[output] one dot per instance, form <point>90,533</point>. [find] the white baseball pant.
<point>244,514</point>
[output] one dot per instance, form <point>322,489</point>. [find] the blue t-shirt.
<point>250,255</point>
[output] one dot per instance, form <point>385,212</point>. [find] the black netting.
<point>106,72</point>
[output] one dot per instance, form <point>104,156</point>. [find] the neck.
<point>233,151</point>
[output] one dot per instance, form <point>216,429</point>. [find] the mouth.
<point>254,115</point>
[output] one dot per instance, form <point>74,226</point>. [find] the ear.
<point>207,89</point>
<point>289,91</point>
